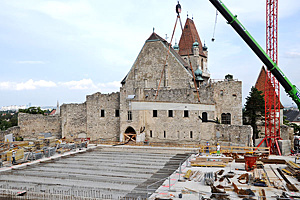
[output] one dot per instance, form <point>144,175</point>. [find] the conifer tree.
<point>254,110</point>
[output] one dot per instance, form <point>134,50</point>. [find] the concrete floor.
<point>105,172</point>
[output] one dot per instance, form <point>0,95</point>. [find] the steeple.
<point>191,48</point>
<point>187,39</point>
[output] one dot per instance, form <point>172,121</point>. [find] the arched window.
<point>226,118</point>
<point>204,117</point>
<point>202,64</point>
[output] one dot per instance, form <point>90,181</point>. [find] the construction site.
<point>171,132</point>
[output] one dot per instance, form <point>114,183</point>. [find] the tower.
<point>190,45</point>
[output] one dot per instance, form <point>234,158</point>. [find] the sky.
<point>54,50</point>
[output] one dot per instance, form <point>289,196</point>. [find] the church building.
<point>166,101</point>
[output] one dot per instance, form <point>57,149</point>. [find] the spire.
<point>204,47</point>
<point>187,39</point>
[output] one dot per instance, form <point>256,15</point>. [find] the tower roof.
<point>187,39</point>
<point>260,82</point>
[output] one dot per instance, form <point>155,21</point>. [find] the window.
<point>135,73</point>
<point>165,135</point>
<point>226,118</point>
<point>154,113</point>
<point>204,117</point>
<point>191,134</point>
<point>117,114</point>
<point>129,115</point>
<point>186,113</point>
<point>151,133</point>
<point>102,114</point>
<point>170,113</point>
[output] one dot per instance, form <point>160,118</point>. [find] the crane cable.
<point>190,63</point>
<point>178,11</point>
<point>167,56</point>
<point>213,38</point>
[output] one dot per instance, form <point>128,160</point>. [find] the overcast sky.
<point>65,50</point>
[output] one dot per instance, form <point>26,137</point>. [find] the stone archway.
<point>129,135</point>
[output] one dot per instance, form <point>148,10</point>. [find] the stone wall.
<point>73,120</point>
<point>105,127</point>
<point>15,130</point>
<point>286,133</point>
<point>233,135</point>
<point>146,71</point>
<point>228,98</point>
<point>33,124</point>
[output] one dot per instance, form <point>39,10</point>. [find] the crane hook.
<point>178,8</point>
<point>213,38</point>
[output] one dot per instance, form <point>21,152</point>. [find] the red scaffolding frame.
<point>272,87</point>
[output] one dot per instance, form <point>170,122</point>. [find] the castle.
<point>158,101</point>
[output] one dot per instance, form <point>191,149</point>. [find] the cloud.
<point>28,85</point>
<point>293,54</point>
<point>30,62</point>
<point>83,84</point>
<point>109,87</point>
<point>88,84</point>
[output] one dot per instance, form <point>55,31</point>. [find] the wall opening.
<point>129,135</point>
<point>154,113</point>
<point>170,113</point>
<point>204,117</point>
<point>102,114</point>
<point>186,113</point>
<point>117,114</point>
<point>129,115</point>
<point>226,118</point>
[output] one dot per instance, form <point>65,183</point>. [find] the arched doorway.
<point>129,135</point>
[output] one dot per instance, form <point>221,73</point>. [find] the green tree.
<point>8,119</point>
<point>33,110</point>
<point>254,110</point>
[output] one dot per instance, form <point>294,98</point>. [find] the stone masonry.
<point>157,102</point>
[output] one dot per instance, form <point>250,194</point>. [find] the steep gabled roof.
<point>188,37</point>
<point>260,82</point>
<point>292,115</point>
<point>154,37</point>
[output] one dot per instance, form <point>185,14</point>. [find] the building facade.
<point>169,100</point>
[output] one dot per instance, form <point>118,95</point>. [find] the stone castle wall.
<point>33,124</point>
<point>105,127</point>
<point>234,135</point>
<point>15,130</point>
<point>73,120</point>
<point>97,119</point>
<point>228,98</point>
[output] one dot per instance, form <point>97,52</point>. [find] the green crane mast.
<point>290,89</point>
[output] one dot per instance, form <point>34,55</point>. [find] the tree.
<point>8,119</point>
<point>33,110</point>
<point>254,110</point>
